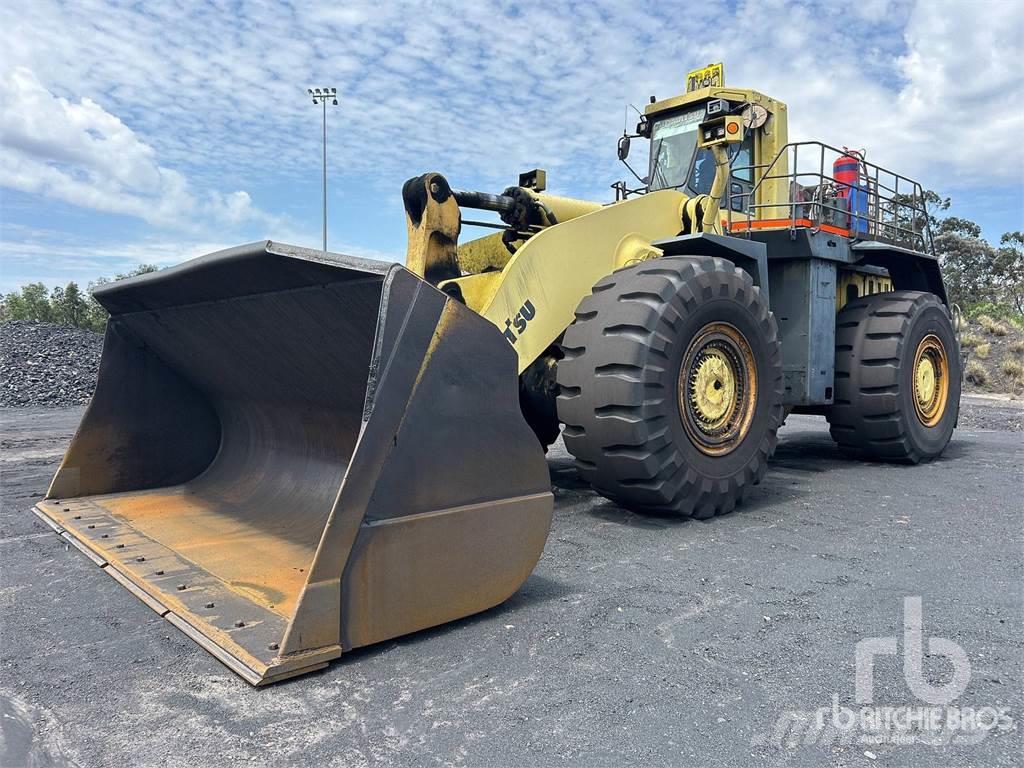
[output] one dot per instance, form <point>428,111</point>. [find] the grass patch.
<point>981,351</point>
<point>970,340</point>
<point>1004,313</point>
<point>976,373</point>
<point>985,321</point>
<point>990,325</point>
<point>1013,369</point>
<point>1017,347</point>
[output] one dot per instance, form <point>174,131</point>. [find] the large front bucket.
<point>291,453</point>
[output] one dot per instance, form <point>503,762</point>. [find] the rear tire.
<point>897,377</point>
<point>644,344</point>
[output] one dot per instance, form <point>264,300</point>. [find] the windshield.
<point>672,143</point>
<point>675,163</point>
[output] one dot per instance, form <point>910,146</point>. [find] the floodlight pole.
<point>321,95</point>
<point>324,123</point>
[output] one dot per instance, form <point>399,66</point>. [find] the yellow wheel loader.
<point>293,453</point>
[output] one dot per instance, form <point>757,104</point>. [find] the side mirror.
<point>623,147</point>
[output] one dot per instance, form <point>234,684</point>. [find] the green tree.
<point>976,272</point>
<point>1008,269</point>
<point>31,303</point>
<point>958,226</point>
<point>69,305</point>
<point>934,204</point>
<point>66,305</point>
<point>966,267</point>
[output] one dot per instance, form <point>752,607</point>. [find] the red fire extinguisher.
<point>846,170</point>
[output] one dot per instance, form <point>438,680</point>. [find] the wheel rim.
<point>931,380</point>
<point>717,389</point>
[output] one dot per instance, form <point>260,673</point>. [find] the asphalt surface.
<point>636,640</point>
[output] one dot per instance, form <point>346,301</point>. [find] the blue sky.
<point>153,132</point>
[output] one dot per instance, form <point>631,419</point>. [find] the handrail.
<point>881,204</point>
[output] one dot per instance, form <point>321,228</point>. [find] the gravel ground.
<point>44,364</point>
<point>989,412</point>
<point>637,640</point>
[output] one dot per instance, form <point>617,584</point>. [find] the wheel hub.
<point>930,380</point>
<point>717,389</point>
<point>713,388</point>
<point>925,378</point>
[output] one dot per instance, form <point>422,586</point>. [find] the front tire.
<point>670,387</point>
<point>897,377</point>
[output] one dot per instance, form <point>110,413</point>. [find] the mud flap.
<point>290,454</point>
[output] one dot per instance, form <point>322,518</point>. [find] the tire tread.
<point>616,425</point>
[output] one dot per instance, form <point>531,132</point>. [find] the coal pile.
<point>48,365</point>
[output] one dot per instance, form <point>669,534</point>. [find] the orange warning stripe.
<point>743,226</point>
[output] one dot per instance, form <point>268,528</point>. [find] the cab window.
<point>740,159</point>
<point>677,163</point>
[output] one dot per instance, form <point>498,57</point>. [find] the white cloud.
<point>221,93</point>
<point>963,97</point>
<point>169,112</point>
<point>234,208</point>
<point>932,90</point>
<point>79,153</point>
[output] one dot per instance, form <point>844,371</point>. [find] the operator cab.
<point>677,163</point>
<point>676,160</point>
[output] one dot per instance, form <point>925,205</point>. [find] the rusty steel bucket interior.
<point>292,453</point>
